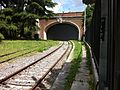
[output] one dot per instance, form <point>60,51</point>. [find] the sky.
<point>68,6</point>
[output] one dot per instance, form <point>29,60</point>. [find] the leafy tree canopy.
<point>20,14</point>
<point>89,13</point>
<point>87,2</point>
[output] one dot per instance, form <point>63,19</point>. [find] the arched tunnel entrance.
<point>63,31</point>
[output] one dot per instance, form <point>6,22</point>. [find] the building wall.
<point>116,32</point>
<point>103,45</point>
<point>109,52</point>
<point>71,14</point>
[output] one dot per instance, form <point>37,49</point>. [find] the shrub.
<point>36,36</point>
<point>1,37</point>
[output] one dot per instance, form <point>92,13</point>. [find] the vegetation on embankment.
<point>89,65</point>
<point>21,47</point>
<point>77,54</point>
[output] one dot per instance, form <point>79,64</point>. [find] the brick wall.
<point>71,14</point>
<point>75,18</point>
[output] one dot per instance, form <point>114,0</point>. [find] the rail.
<point>40,80</point>
<point>5,80</point>
<point>11,75</point>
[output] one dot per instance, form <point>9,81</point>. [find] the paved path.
<point>81,79</point>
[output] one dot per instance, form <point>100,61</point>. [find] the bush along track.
<point>74,65</point>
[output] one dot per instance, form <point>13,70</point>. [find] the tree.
<point>39,7</point>
<point>89,14</point>
<point>18,15</point>
<point>87,2</point>
<point>7,27</point>
<point>25,19</point>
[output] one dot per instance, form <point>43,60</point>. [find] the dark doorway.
<point>62,31</point>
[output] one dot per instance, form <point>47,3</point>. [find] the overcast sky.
<point>68,6</point>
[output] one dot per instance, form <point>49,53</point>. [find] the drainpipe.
<point>84,25</point>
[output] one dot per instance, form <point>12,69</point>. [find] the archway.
<point>62,31</point>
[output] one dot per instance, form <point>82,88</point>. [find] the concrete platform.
<point>82,77</point>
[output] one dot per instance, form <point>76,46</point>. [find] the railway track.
<point>8,54</point>
<point>15,52</point>
<point>30,76</point>
<point>23,62</point>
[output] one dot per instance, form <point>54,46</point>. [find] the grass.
<point>88,56</point>
<point>8,46</point>
<point>74,65</point>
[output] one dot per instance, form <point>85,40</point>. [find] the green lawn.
<point>21,47</point>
